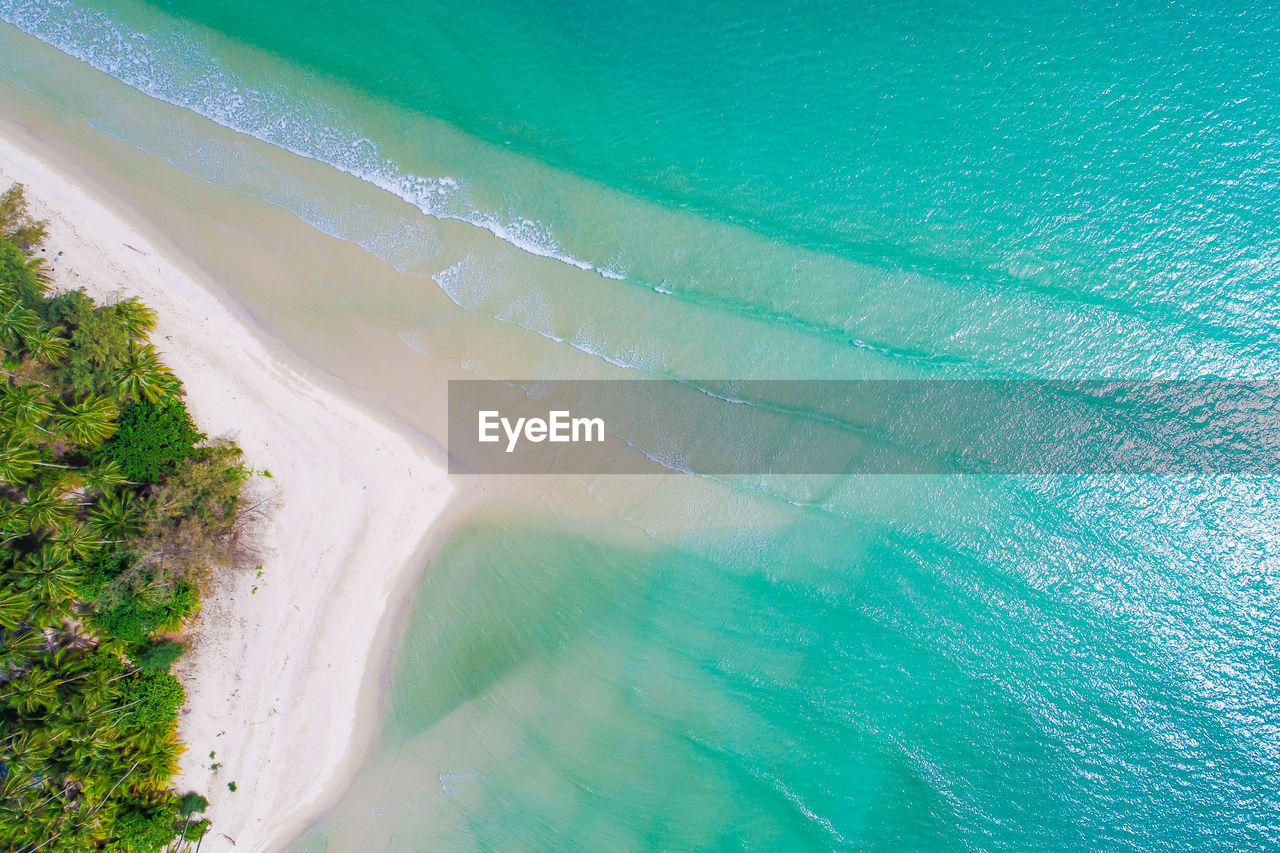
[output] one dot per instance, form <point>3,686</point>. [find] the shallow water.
<point>765,190</point>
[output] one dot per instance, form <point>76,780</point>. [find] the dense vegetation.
<point>113,511</point>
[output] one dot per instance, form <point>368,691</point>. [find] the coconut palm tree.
<point>17,462</point>
<point>16,323</point>
<point>49,575</point>
<point>19,647</point>
<point>103,476</point>
<point>15,608</point>
<point>88,422</point>
<point>12,524</point>
<point>141,376</point>
<point>135,317</point>
<point>45,509</point>
<point>117,516</point>
<point>47,346</point>
<point>39,272</point>
<point>23,407</point>
<point>160,761</point>
<point>77,540</point>
<point>32,691</point>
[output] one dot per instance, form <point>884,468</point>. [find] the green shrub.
<point>134,618</point>
<point>195,831</point>
<point>152,439</point>
<point>157,655</point>
<point>158,696</point>
<point>99,342</point>
<point>131,621</point>
<point>145,830</point>
<point>191,803</point>
<point>100,570</point>
<point>105,661</point>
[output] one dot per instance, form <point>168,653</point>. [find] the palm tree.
<point>24,407</point>
<point>17,462</point>
<point>47,345</point>
<point>103,476</point>
<point>16,323</point>
<point>77,540</point>
<point>89,422</point>
<point>51,576</point>
<point>135,317</point>
<point>15,608</point>
<point>160,761</point>
<point>44,509</point>
<point>116,517</point>
<point>33,690</point>
<point>12,524</point>
<point>19,647</point>
<point>39,272</point>
<point>142,376</point>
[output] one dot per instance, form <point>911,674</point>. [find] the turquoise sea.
<point>804,190</point>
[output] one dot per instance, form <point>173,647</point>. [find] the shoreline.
<point>281,675</point>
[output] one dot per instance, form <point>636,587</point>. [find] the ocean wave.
<point>180,67</point>
<point>449,278</point>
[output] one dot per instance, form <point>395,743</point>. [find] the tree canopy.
<point>114,510</point>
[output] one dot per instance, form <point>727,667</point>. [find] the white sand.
<point>278,680</point>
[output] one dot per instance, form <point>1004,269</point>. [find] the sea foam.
<point>183,67</point>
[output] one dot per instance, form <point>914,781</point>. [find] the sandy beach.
<point>280,679</point>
